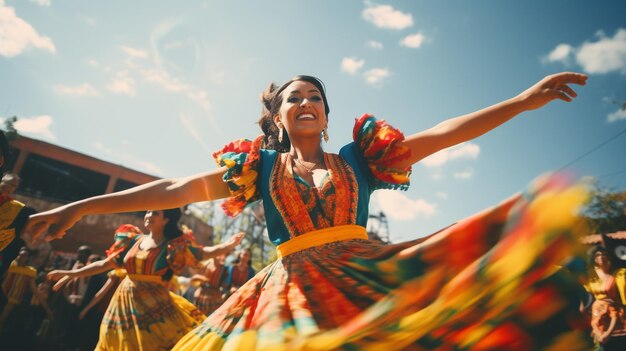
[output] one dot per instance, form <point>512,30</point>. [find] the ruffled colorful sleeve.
<point>183,252</point>
<point>379,144</point>
<point>125,237</point>
<point>242,159</point>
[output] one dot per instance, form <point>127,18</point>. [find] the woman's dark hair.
<point>171,231</point>
<point>272,100</point>
<point>5,150</point>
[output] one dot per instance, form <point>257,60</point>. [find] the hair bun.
<point>267,95</point>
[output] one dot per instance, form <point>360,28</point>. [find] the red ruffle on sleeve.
<point>242,159</point>
<point>379,144</point>
<point>125,236</point>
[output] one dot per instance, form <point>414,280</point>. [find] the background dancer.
<point>143,314</point>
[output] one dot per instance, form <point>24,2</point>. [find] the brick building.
<point>52,176</point>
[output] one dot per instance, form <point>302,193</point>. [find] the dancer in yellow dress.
<point>479,284</point>
<point>143,314</point>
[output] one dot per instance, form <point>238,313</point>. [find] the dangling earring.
<point>280,134</point>
<point>325,134</point>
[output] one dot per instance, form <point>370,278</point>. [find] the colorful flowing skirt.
<point>208,299</point>
<point>144,316</point>
<point>493,281</point>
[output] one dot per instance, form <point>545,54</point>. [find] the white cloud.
<point>413,41</point>
<point>125,158</point>
<point>560,53</point>
<point>604,55</point>
<point>442,195</point>
<point>132,52</point>
<point>436,175</point>
<point>463,150</point>
<point>84,89</point>
<point>163,79</point>
<point>617,115</point>
<point>376,75</point>
<point>351,65</point>
<point>37,126</point>
<point>95,64</point>
<point>122,83</point>
<point>150,67</point>
<point>373,44</point>
<point>16,35</point>
<point>201,98</point>
<point>396,205</point>
<point>42,2</point>
<point>384,16</point>
<point>466,174</point>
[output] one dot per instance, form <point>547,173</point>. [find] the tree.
<point>606,212</point>
<point>9,128</point>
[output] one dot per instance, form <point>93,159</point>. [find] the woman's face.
<point>219,260</point>
<point>154,220</point>
<point>302,111</point>
<point>245,257</point>
<point>601,259</point>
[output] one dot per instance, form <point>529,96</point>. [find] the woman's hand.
<point>552,87</point>
<point>56,221</point>
<point>62,278</point>
<point>57,274</point>
<point>82,314</point>
<point>235,240</point>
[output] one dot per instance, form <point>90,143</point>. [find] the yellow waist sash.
<point>320,237</point>
<point>146,278</point>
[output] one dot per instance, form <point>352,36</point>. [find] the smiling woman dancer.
<point>474,285</point>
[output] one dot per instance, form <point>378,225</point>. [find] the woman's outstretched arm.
<point>472,125</point>
<point>98,297</point>
<point>93,268</point>
<point>159,194</point>
<point>222,249</point>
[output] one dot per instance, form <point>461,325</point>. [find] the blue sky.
<point>158,85</point>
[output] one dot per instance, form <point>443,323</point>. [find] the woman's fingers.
<point>35,229</point>
<point>568,78</point>
<point>559,94</point>
<point>54,233</point>
<point>569,91</point>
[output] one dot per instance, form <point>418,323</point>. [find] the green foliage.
<point>606,213</point>
<point>9,128</point>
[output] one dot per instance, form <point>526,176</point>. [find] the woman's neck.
<point>602,272</point>
<point>308,150</point>
<point>157,236</point>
